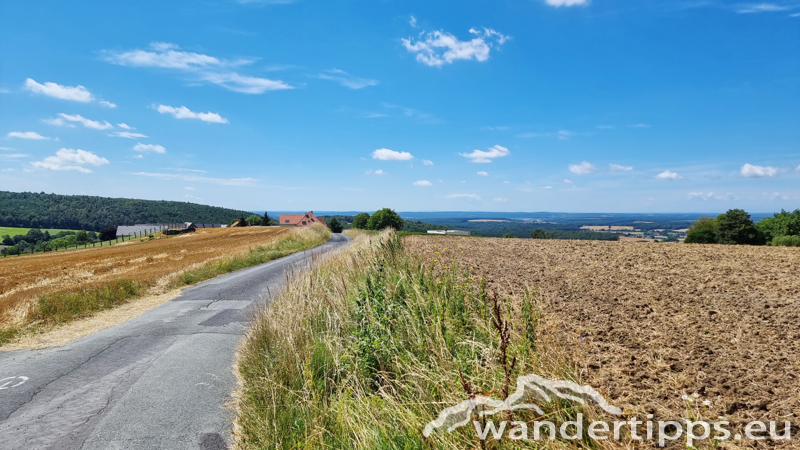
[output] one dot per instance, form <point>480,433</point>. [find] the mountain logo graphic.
<point>530,388</point>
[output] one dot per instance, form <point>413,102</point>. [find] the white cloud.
<point>13,155</point>
<point>605,127</point>
<point>125,126</point>
<point>185,113</point>
<point>139,156</point>
<point>469,197</point>
<point>375,172</point>
<point>440,47</point>
<point>483,174</point>
<point>548,187</point>
<point>560,3</point>
<point>427,162</point>
<point>711,196</point>
<point>620,168</point>
<point>479,156</point>
<point>500,199</point>
<point>27,135</point>
<point>204,67</point>
<point>797,169</point>
<point>58,122</point>
<point>668,175</point>
<point>107,104</point>
<point>93,124</point>
<point>199,179</point>
<point>568,181</point>
<point>506,182</point>
<point>69,159</point>
<point>127,135</point>
<point>413,22</point>
<point>189,188</point>
<point>751,171</point>
<point>639,125</point>
<point>584,168</point>
<point>75,93</point>
<point>347,80</point>
<point>147,148</point>
<point>423,183</point>
<point>390,155</point>
<point>752,8</point>
<point>564,135</point>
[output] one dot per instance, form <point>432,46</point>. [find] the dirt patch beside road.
<point>652,323</point>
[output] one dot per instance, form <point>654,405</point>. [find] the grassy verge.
<point>63,307</point>
<point>370,345</point>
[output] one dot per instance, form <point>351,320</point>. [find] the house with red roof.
<point>299,220</point>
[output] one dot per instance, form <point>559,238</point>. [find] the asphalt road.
<point>159,381</point>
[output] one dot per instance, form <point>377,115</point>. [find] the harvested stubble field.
<point>647,324</point>
<point>149,262</point>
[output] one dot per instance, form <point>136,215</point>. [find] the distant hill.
<point>83,212</point>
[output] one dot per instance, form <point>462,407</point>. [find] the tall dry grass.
<point>368,346</point>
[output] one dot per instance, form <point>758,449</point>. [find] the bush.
<point>736,227</point>
<point>254,220</point>
<point>541,234</point>
<point>781,224</point>
<point>335,225</point>
<point>787,241</point>
<point>508,235</point>
<point>385,218</point>
<point>361,221</point>
<point>108,233</point>
<point>702,231</point>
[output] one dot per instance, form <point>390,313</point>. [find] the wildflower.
<point>696,395</point>
<point>686,398</point>
<point>707,403</point>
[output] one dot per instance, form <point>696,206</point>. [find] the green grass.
<point>370,345</point>
<point>11,231</point>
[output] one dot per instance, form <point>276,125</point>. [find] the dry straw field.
<point>672,330</point>
<point>151,263</point>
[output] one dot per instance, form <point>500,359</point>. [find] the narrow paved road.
<point>159,381</point>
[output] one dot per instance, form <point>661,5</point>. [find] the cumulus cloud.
<point>423,183</point>
<point>469,197</point>
<point>27,135</point>
<point>199,179</point>
<point>347,80</point>
<point>148,148</point>
<point>390,155</point>
<point>479,156</point>
<point>69,159</point>
<point>751,171</point>
<point>620,168</point>
<point>560,3</point>
<point>711,196</point>
<point>127,135</point>
<point>548,187</point>
<point>185,113</point>
<point>125,126</point>
<point>58,122</point>
<point>427,162</point>
<point>107,104</point>
<point>438,48</point>
<point>568,181</point>
<point>584,168</point>
<point>483,174</point>
<point>74,93</point>
<point>203,68</point>
<point>93,124</point>
<point>668,175</point>
<point>375,172</point>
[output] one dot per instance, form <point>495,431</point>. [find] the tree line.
<point>82,212</point>
<point>737,228</point>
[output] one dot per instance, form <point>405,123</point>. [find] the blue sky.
<point>523,105</point>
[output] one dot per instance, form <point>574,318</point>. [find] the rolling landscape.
<point>400,225</point>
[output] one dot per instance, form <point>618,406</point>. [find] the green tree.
<point>266,220</point>
<point>361,221</point>
<point>781,224</point>
<point>702,231</point>
<point>736,227</point>
<point>385,218</point>
<point>254,220</point>
<point>81,238</point>
<point>242,222</point>
<point>335,225</point>
<point>508,235</point>
<point>7,240</point>
<point>541,234</point>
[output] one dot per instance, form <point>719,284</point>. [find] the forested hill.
<point>82,212</point>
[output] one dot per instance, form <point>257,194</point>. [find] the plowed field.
<point>23,279</point>
<point>651,323</point>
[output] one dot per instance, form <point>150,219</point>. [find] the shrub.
<point>541,234</point>
<point>385,218</point>
<point>781,224</point>
<point>254,220</point>
<point>361,221</point>
<point>787,241</point>
<point>108,233</point>
<point>335,225</point>
<point>702,231</point>
<point>508,235</point>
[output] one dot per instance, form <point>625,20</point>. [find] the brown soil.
<point>23,279</point>
<point>654,322</point>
